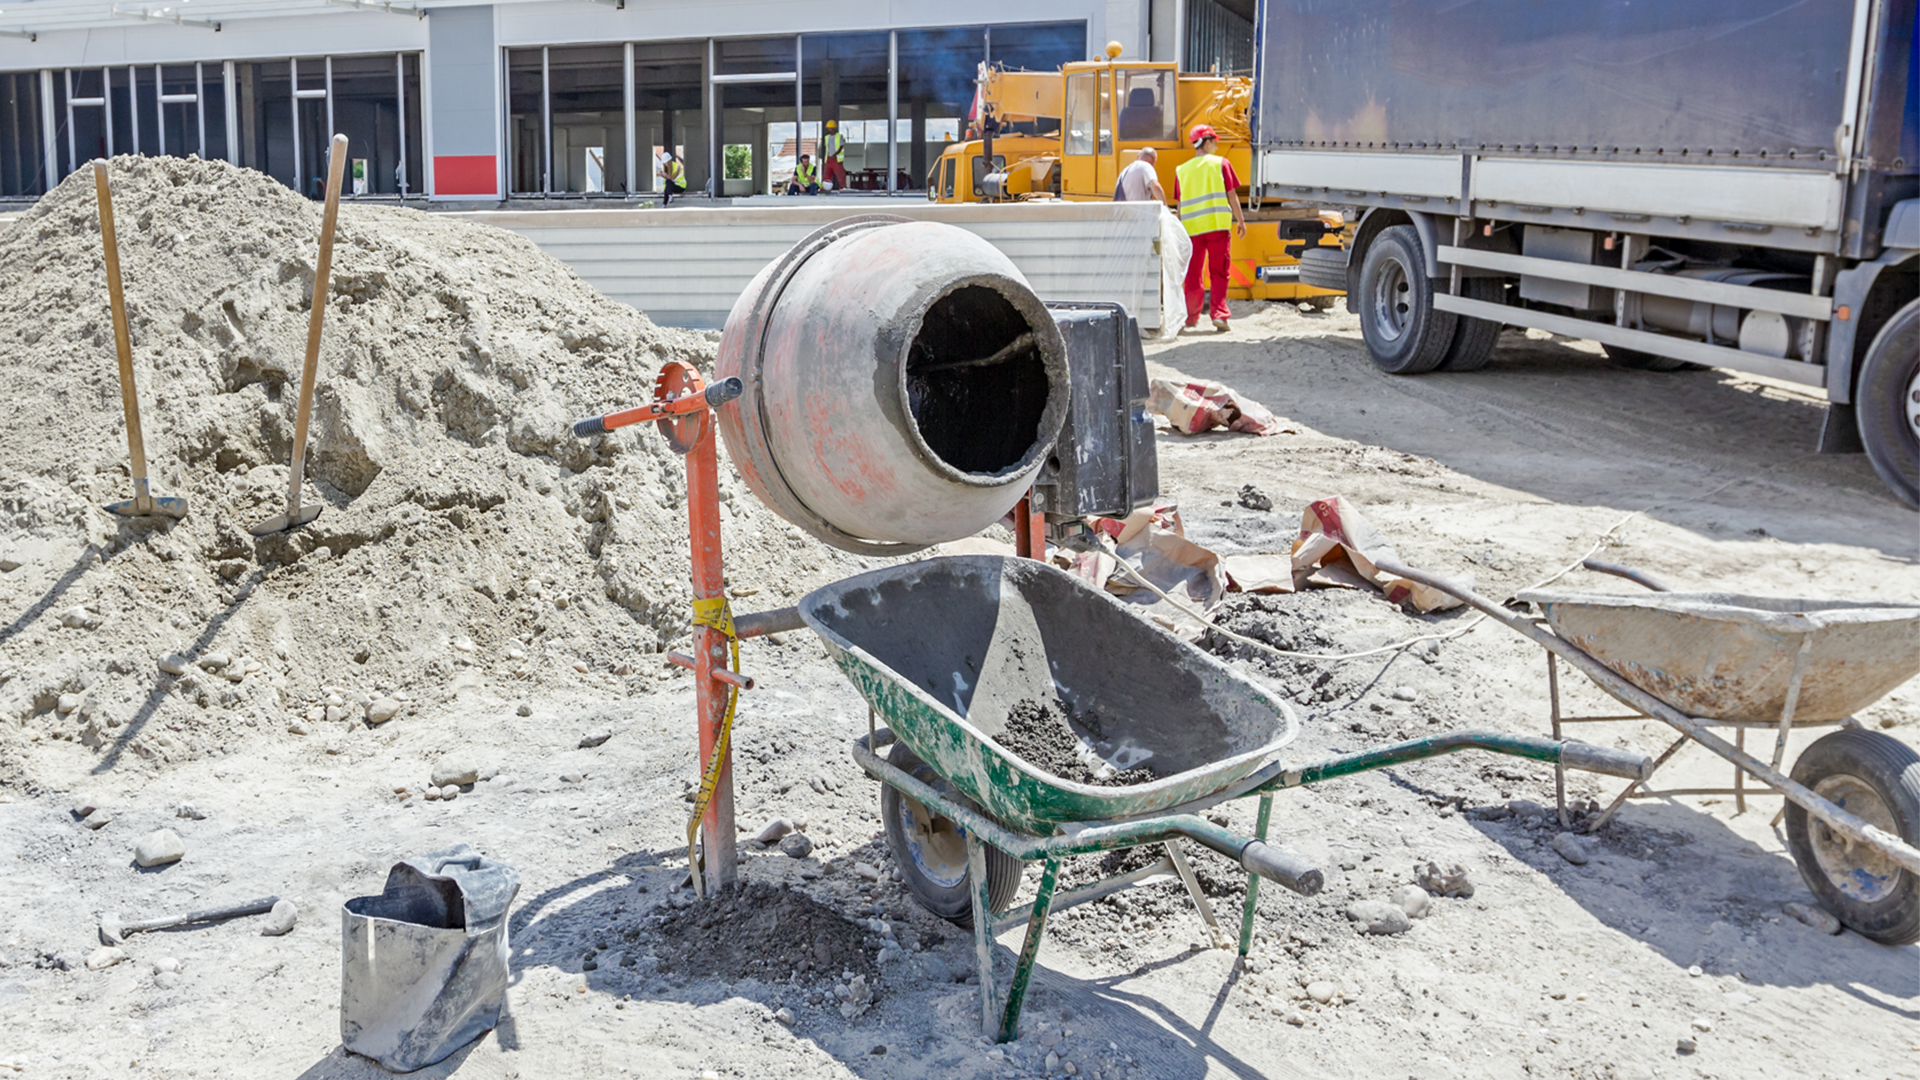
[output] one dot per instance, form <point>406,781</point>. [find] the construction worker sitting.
<point>806,177</point>
<point>673,177</point>
<point>833,151</point>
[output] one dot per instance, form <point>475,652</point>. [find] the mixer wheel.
<point>931,850</point>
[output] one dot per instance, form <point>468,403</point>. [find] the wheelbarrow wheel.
<point>931,850</point>
<point>1877,778</point>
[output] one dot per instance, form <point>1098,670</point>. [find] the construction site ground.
<point>1673,930</point>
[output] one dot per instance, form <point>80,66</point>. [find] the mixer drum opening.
<point>977,383</point>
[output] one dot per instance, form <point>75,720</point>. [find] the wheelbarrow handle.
<point>1638,577</point>
<point>1282,868</point>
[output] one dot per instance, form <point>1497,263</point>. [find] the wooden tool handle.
<point>230,911</point>
<point>122,340</point>
<point>322,268</point>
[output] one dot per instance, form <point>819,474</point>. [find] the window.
<point>946,182</point>
<point>1083,101</point>
<point>22,162</point>
<point>1148,106</point>
<point>739,160</point>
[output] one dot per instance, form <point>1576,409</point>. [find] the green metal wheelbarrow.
<point>942,649</point>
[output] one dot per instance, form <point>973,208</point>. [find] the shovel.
<point>143,504</point>
<point>296,514</point>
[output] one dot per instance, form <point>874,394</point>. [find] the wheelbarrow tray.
<point>943,648</point>
<point>1720,656</point>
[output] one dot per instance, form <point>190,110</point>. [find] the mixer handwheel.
<point>931,850</point>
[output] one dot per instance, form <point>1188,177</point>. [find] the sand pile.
<point>469,540</point>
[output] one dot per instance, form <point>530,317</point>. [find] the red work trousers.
<point>1208,248</point>
<point>836,174</point>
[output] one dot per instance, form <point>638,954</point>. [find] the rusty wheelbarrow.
<point>1699,661</point>
<point>945,648</point>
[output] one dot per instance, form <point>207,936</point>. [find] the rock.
<point>1378,917</point>
<point>1254,499</point>
<point>1053,1061</point>
<point>449,792</point>
<point>87,804</point>
<point>785,1016</point>
<point>68,703</point>
<point>166,964</point>
<point>8,566</point>
<point>1322,991</point>
<point>1450,880</point>
<point>297,728</point>
<point>1405,693</point>
<point>796,846</point>
<point>380,710</point>
<point>858,991</point>
<point>867,870</point>
<point>523,709</point>
<point>281,919</point>
<point>104,957</point>
<point>456,769</point>
<point>1701,1024</point>
<point>158,848</point>
<point>1297,1018</point>
<point>463,644</point>
<point>1570,848</point>
<point>75,618</point>
<point>174,664</point>
<point>191,812</point>
<point>433,794</point>
<point>214,661</point>
<point>1696,971</point>
<point>772,831</point>
<point>573,778</point>
<point>595,737</point>
<point>1818,918</point>
<point>334,714</point>
<point>1049,1039</point>
<point>167,980</point>
<point>1687,1044</point>
<point>1525,808</point>
<point>1413,900</point>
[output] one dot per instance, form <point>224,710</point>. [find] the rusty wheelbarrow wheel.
<point>931,850</point>
<point>1875,777</point>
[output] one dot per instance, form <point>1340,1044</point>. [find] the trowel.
<point>143,503</point>
<point>298,515</point>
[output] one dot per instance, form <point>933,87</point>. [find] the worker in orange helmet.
<point>1205,191</point>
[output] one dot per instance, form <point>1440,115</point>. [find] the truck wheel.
<point>931,850</point>
<point>1474,339</point>
<point>1888,403</point>
<point>1643,361</point>
<point>1404,334</point>
<point>1877,778</point>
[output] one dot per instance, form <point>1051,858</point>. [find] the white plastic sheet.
<point>1176,251</point>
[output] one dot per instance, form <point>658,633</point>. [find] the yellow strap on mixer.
<point>715,613</point>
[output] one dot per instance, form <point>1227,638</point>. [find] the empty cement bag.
<point>423,965</point>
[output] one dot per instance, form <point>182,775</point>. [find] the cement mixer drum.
<point>903,384</point>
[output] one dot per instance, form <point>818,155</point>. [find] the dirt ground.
<point>1672,930</point>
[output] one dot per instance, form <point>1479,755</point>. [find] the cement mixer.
<point>902,385</point>
<point>887,385</point>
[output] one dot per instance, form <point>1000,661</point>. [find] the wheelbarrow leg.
<point>1253,880</point>
<point>982,930</point>
<point>1200,901</point>
<point>1029,951</point>
<point>1559,770</point>
<point>1621,799</point>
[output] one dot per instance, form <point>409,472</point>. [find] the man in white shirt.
<point>1139,181</point>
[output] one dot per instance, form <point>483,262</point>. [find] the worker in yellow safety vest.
<point>834,152</point>
<point>1205,188</point>
<point>673,176</point>
<point>806,177</point>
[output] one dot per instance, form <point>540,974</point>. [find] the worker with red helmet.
<point>1205,189</point>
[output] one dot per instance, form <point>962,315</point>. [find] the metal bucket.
<point>903,384</point>
<point>423,965</point>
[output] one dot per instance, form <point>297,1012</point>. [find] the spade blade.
<point>283,522</point>
<point>161,507</point>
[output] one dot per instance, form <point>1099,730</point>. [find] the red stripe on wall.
<point>473,174</point>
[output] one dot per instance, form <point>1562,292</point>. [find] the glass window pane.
<point>755,56</point>
<point>589,118</point>
<point>22,152</point>
<point>1148,106</point>
<point>1039,46</point>
<point>1082,105</point>
<point>366,109</point>
<point>526,123</point>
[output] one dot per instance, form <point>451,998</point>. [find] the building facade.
<point>450,100</point>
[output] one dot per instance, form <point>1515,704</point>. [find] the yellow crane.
<point>1067,134</point>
